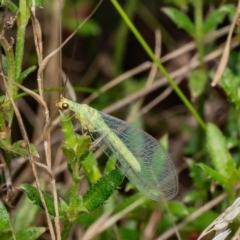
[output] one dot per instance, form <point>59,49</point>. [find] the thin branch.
<point>47,144</point>
<point>25,137</point>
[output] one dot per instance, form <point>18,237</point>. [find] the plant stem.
<point>74,197</point>
<point>199,30</point>
<point>73,201</point>
<point>198,9</point>
<point>22,21</point>
<point>66,230</point>
<point>159,65</point>
<point>7,109</point>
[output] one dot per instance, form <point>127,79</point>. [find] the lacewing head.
<point>62,103</point>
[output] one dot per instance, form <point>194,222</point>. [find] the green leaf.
<point>4,144</point>
<point>111,164</point>
<point>197,83</point>
<point>196,174</point>
<point>128,233</point>
<point>83,144</point>
<point>76,148</point>
<point>30,233</point>
<point>193,196</point>
<point>232,143</point>
<point>167,221</point>
<point>229,83</point>
<point>33,195</point>
<point>20,149</point>
<point>25,73</point>
<point>69,153</point>
<point>178,209</point>
<point>213,19</point>
<point>10,5</point>
<point>214,175</point>
<point>220,157</point>
<point>5,224</point>
<point>230,9</point>
<point>180,19</point>
<point>20,221</point>
<point>91,170</point>
<point>100,192</point>
<point>227,183</point>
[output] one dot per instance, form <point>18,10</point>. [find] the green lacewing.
<point>140,157</point>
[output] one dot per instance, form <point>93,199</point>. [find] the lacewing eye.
<point>65,105</point>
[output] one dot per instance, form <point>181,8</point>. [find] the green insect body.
<point>140,157</point>
<point>83,113</point>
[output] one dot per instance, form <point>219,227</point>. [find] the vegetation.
<point>170,69</point>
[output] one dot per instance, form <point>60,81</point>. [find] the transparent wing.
<point>157,178</point>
